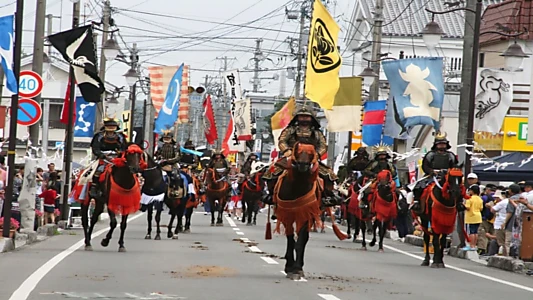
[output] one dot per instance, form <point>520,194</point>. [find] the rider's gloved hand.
<point>287,153</point>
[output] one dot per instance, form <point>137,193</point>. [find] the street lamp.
<point>514,56</point>
<point>131,77</point>
<point>368,76</point>
<point>111,49</point>
<point>432,33</point>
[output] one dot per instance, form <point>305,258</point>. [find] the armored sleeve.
<point>426,163</point>
<point>283,141</point>
<point>123,143</point>
<point>454,161</point>
<point>369,170</point>
<point>96,146</point>
<point>322,145</point>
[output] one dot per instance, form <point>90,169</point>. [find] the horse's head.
<point>176,181</point>
<point>304,158</point>
<point>385,184</point>
<point>454,182</point>
<point>134,158</point>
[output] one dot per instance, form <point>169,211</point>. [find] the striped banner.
<point>160,77</point>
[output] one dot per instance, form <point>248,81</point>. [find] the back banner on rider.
<point>417,86</point>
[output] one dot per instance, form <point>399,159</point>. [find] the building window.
<point>54,115</point>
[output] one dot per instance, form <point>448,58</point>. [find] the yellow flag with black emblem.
<point>323,58</point>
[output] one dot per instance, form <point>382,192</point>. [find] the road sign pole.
<point>11,151</point>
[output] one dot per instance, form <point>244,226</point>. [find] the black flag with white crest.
<point>78,49</point>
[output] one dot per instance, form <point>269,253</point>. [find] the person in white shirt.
<point>500,209</point>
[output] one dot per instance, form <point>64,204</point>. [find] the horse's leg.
<point>437,259</point>
<point>348,225</point>
<point>374,228</point>
<point>150,210</point>
<point>123,225</point>
<point>85,224</point>
<point>255,204</point>
<point>98,209</point>
<point>362,224</point>
<point>188,217</point>
<point>180,213</point>
<point>427,257</point>
<point>245,209</point>
<point>303,238</point>
<point>249,211</point>
<point>382,230</point>
<point>221,206</point>
<point>289,255</point>
<point>112,226</point>
<point>213,210</point>
<point>158,211</point>
<point>169,227</point>
<point>442,245</point>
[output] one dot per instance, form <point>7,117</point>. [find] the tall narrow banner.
<point>126,124</point>
<point>160,79</point>
<point>417,87</point>
<point>183,110</point>
<point>233,81</point>
<point>85,118</point>
<point>494,96</point>
<point>242,120</point>
<point>323,58</point>
<point>229,145</point>
<point>347,106</point>
<point>210,127</point>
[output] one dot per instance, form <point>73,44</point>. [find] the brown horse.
<point>360,215</point>
<point>252,191</point>
<point>439,204</point>
<point>384,205</point>
<point>216,193</point>
<point>120,192</point>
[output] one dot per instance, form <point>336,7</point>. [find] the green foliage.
<point>268,118</point>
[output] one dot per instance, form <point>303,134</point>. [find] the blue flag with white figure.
<point>168,114</point>
<point>6,52</point>
<point>85,118</point>
<point>417,87</point>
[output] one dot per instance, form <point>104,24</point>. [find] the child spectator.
<point>49,195</point>
<point>473,219</point>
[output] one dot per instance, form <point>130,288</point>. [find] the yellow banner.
<point>489,141</point>
<point>323,58</point>
<point>283,117</point>
<point>126,124</point>
<point>515,132</point>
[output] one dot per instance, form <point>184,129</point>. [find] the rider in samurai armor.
<point>359,162</point>
<point>108,139</point>
<point>188,159</point>
<point>247,167</point>
<point>439,158</point>
<point>218,162</point>
<point>168,154</point>
<point>380,162</point>
<point>305,128</point>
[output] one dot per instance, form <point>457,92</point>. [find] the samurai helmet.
<point>381,149</point>
<point>305,111</point>
<point>167,134</point>
<point>440,138</point>
<point>189,145</point>
<point>218,152</point>
<point>111,121</point>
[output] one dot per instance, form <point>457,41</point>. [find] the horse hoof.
<point>289,274</point>
<point>349,236</point>
<point>212,224</point>
<point>314,230</point>
<point>254,223</point>
<point>157,237</point>
<point>148,237</point>
<point>179,230</point>
<point>88,248</point>
<point>243,220</point>
<point>442,266</point>
<point>248,224</point>
<point>434,265</point>
<point>170,234</point>
<point>220,224</point>
<point>381,250</point>
<point>187,230</point>
<point>175,237</point>
<point>295,276</point>
<point>363,248</point>
<point>323,230</point>
<point>122,249</point>
<point>104,243</point>
<point>372,243</point>
<point>425,263</point>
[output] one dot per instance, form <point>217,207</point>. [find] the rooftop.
<point>510,16</point>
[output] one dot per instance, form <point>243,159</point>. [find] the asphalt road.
<point>235,262</point>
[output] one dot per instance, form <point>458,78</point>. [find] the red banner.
<point>210,128</point>
<point>66,105</point>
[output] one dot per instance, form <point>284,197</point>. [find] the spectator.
<point>51,169</point>
<point>471,179</point>
<point>473,219</point>
<point>487,228</point>
<point>499,209</point>
<point>514,195</point>
<point>49,195</point>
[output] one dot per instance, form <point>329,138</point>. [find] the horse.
<point>176,199</point>
<point>217,194</point>
<point>439,204</point>
<point>384,205</point>
<point>361,216</point>
<point>120,192</point>
<point>192,203</point>
<point>153,194</point>
<point>252,191</point>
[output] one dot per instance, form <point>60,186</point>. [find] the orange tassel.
<point>268,231</point>
<point>340,235</point>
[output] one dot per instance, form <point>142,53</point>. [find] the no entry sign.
<point>29,112</point>
<point>30,84</point>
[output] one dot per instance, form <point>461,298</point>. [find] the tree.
<point>268,118</point>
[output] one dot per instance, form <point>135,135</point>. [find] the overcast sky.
<point>158,27</point>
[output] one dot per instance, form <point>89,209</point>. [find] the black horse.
<point>154,187</point>
<point>252,191</point>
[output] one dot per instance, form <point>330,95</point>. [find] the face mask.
<point>304,123</point>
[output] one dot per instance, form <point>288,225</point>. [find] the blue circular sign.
<point>29,112</point>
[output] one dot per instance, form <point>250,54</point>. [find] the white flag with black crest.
<point>78,49</point>
<point>494,96</point>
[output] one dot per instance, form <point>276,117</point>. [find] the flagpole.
<point>69,139</point>
<point>11,151</point>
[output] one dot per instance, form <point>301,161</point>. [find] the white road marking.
<point>231,223</point>
<point>245,240</point>
<point>300,280</point>
<point>255,249</point>
<point>24,290</point>
<point>239,233</point>
<point>328,297</point>
<point>236,229</point>
<point>269,260</point>
<point>519,286</point>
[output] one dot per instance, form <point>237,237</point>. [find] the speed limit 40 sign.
<point>30,84</point>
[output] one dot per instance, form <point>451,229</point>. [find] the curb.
<point>24,238</point>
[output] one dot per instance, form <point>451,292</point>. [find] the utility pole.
<point>106,17</point>
<point>376,48</point>
<point>257,59</point>
<point>299,55</point>
<point>134,58</point>
<point>11,151</point>
<point>69,140</point>
<point>49,30</point>
<point>224,107</point>
<point>37,64</point>
<point>46,102</point>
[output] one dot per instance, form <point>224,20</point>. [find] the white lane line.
<point>300,280</point>
<point>231,223</point>
<point>328,297</point>
<point>24,290</point>
<point>269,260</point>
<point>239,233</point>
<point>236,229</point>
<point>522,287</point>
<point>255,249</point>
<point>245,240</point>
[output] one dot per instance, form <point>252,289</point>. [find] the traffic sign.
<point>29,112</point>
<point>146,144</point>
<point>30,84</point>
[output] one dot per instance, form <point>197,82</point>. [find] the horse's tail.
<point>340,235</point>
